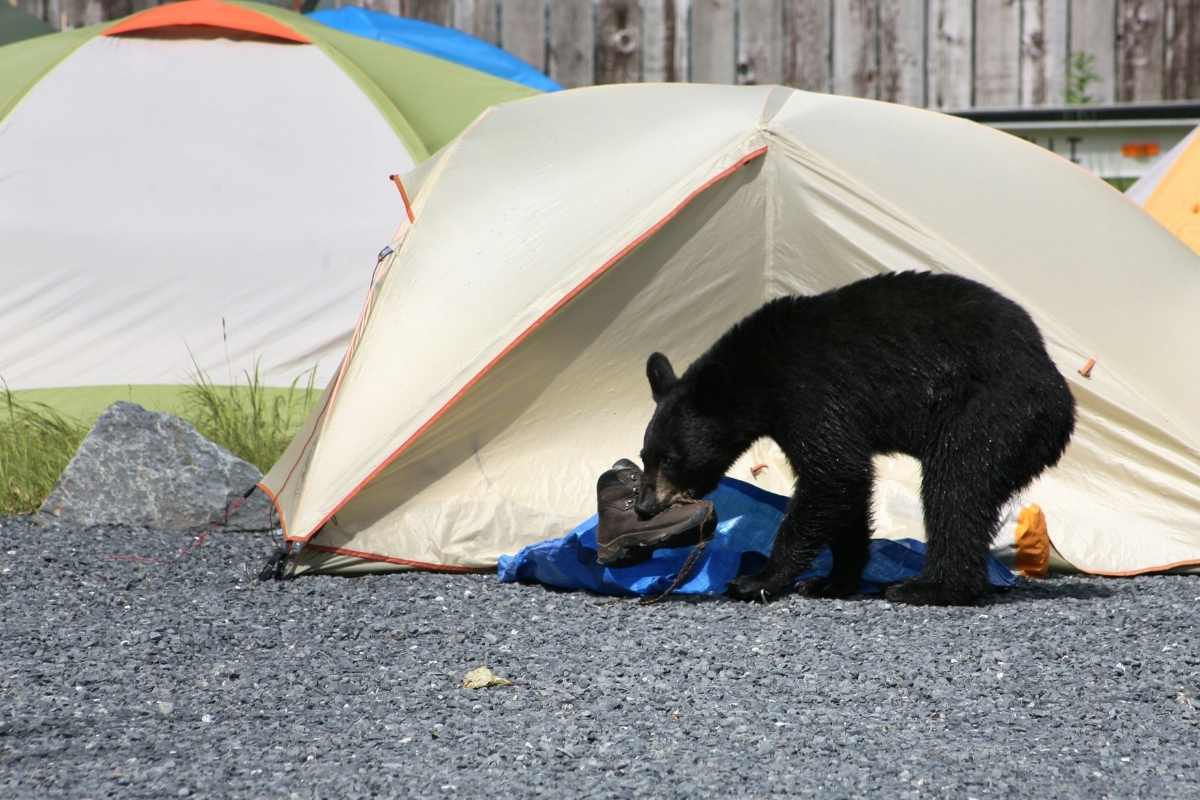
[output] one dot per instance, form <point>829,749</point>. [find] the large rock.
<point>139,467</point>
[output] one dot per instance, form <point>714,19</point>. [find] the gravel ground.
<point>182,676</point>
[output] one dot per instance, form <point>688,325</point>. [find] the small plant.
<point>36,444</point>
<point>1081,73</point>
<point>254,422</point>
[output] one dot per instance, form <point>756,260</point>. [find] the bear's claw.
<point>756,587</point>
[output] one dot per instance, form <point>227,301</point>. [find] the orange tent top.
<point>209,14</point>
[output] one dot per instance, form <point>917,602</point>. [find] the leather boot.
<point>625,539</point>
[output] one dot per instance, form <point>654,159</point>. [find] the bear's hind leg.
<point>960,525</point>
<point>970,474</point>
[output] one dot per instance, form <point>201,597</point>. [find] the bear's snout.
<point>655,495</point>
<point>646,504</point>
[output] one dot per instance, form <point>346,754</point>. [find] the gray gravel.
<point>182,676</point>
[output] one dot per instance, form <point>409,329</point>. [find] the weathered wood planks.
<point>902,51</point>
<point>523,30</point>
<point>807,35</point>
<point>572,33</point>
<point>760,42</point>
<point>618,41</point>
<point>946,54</point>
<point>713,42</point>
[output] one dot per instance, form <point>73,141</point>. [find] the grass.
<point>254,422</point>
<point>36,443</point>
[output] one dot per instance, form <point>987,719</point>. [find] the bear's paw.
<point>919,592</point>
<point>761,588</point>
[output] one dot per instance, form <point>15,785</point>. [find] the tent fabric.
<point>16,25</point>
<point>203,213</point>
<point>748,519</point>
<point>435,40</point>
<point>507,331</point>
<point>435,98</point>
<point>204,200</point>
<point>1170,191</point>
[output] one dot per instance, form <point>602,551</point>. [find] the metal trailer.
<point>1119,142</point>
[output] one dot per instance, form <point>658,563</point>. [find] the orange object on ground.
<point>1033,543</point>
<point>207,14</point>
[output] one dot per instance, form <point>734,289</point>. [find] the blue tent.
<point>435,40</point>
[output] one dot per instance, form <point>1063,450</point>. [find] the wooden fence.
<point>940,53</point>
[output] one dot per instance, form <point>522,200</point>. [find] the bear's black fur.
<point>934,366</point>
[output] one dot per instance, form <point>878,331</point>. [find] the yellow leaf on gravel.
<point>483,677</point>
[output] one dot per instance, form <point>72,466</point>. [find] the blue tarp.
<point>747,520</point>
<point>435,40</point>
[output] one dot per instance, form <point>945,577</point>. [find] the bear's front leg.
<point>795,548</point>
<point>829,509</point>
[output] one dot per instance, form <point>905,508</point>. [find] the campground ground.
<point>129,671</point>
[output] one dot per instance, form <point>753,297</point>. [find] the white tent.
<point>204,180</point>
<point>499,363</point>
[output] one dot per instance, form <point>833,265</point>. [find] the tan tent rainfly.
<point>499,364</point>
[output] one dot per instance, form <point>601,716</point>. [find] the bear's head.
<point>690,441</point>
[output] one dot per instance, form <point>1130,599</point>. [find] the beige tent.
<point>499,364</point>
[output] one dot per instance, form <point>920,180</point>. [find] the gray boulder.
<point>143,468</point>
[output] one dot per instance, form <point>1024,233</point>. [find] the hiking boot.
<point>625,539</point>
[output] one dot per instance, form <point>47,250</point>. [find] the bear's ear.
<point>661,375</point>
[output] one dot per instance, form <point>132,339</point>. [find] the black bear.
<point>934,366</point>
